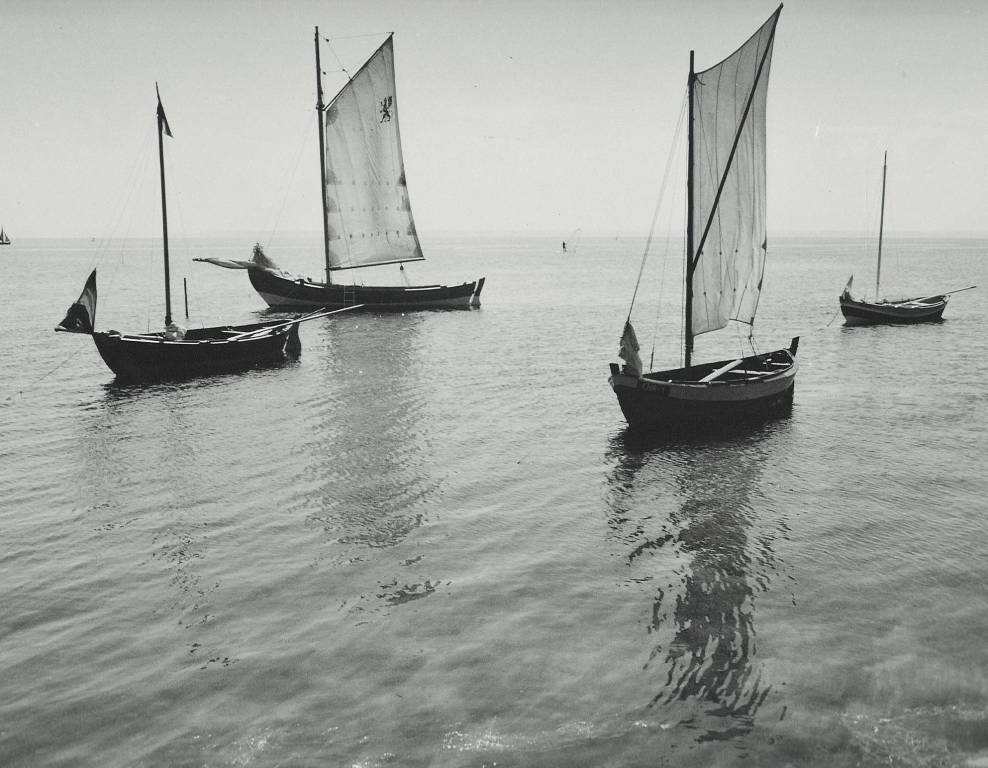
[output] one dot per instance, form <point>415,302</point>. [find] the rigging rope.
<point>665,259</point>
<point>329,44</point>
<point>125,205</point>
<point>31,386</point>
<point>306,131</point>
<point>356,37</point>
<point>658,204</point>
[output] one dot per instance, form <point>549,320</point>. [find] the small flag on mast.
<point>161,114</point>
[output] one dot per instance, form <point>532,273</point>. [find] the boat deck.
<point>745,369</point>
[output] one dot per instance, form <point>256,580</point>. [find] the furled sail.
<point>628,350</point>
<point>729,108</point>
<point>846,293</point>
<point>259,260</point>
<point>368,212</point>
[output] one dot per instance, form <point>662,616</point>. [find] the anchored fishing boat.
<point>921,309</point>
<point>726,245</point>
<point>175,352</point>
<point>366,214</point>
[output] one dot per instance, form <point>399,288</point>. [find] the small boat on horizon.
<point>920,309</point>
<point>573,242</point>
<point>4,239</point>
<point>176,352</point>
<point>366,214</point>
<point>726,245</point>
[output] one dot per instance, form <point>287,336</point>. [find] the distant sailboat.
<point>4,240</point>
<point>725,256</point>
<point>570,246</point>
<point>922,309</point>
<point>367,218</point>
<point>175,352</point>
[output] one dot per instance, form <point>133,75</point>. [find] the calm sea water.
<point>431,542</point>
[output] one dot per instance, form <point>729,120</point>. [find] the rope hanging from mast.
<point>658,204</point>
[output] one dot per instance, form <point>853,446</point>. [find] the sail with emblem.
<point>728,168</point>
<point>367,209</point>
<point>366,216</point>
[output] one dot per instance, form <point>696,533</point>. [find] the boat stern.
<point>475,298</point>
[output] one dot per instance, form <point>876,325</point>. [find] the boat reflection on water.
<point>367,482</point>
<point>150,453</point>
<point>699,535</point>
<point>327,455</point>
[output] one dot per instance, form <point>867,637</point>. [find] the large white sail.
<point>368,213</point>
<point>729,107</point>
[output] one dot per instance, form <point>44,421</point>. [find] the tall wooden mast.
<point>688,345</point>
<point>881,226</point>
<point>162,122</point>
<point>320,108</point>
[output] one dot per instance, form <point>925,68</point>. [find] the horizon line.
<point>540,233</point>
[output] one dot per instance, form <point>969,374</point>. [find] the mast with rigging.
<point>162,129</point>
<point>320,108</point>
<point>688,345</point>
<point>881,226</point>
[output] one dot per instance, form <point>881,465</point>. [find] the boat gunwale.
<point>159,338</point>
<point>931,302</point>
<point>749,376</point>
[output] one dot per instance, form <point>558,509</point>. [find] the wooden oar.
<point>945,293</point>
<point>300,319</point>
<point>958,290</point>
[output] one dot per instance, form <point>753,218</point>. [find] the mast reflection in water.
<point>367,478</point>
<point>697,531</point>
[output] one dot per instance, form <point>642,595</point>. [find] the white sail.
<point>368,212</point>
<point>729,108</point>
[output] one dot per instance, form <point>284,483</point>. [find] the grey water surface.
<point>432,542</point>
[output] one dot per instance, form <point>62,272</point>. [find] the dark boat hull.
<point>748,389</point>
<point>283,293</point>
<point>202,352</point>
<point>925,310</point>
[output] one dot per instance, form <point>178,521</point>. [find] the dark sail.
<point>82,314</point>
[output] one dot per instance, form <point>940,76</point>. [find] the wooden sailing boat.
<point>922,309</point>
<point>366,215</point>
<point>4,240</point>
<point>175,352</point>
<point>725,256</point>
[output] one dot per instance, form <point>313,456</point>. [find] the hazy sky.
<point>537,116</point>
